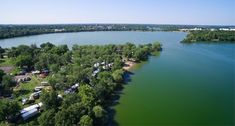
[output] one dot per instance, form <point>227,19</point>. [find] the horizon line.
<point>115,24</point>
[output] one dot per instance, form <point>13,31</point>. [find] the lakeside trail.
<point>128,65</point>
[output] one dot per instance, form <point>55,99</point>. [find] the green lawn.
<point>6,62</point>
<point>25,89</point>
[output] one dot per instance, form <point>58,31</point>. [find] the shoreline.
<point>128,65</point>
<point>90,31</point>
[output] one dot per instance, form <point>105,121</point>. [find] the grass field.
<point>25,89</point>
<point>6,62</point>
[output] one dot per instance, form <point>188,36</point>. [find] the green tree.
<point>47,46</point>
<point>47,118</point>
<point>75,112</point>
<point>66,58</point>
<point>50,100</point>
<point>100,115</point>
<point>118,76</point>
<point>106,79</point>
<point>86,121</point>
<point>86,93</point>
<point>71,115</point>
<point>24,60</point>
<point>46,59</point>
<point>117,64</point>
<point>54,68</point>
<point>157,46</point>
<point>7,82</point>
<point>70,99</point>
<point>8,109</point>
<point>62,118</point>
<point>60,50</point>
<point>20,50</point>
<point>128,50</point>
<point>98,111</point>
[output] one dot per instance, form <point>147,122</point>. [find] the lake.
<point>187,84</point>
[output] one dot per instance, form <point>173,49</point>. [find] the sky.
<point>198,12</point>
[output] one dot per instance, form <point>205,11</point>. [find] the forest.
<point>80,82</point>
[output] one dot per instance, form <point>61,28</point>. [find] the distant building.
<point>212,29</point>
<point>59,30</point>
<point>227,29</point>
<point>224,29</point>
<point>192,29</point>
<point>232,29</point>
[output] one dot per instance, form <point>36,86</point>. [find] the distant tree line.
<point>10,31</point>
<point>210,36</point>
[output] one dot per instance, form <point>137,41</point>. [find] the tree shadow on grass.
<point>21,92</point>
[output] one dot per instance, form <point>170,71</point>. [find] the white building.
<point>224,29</point>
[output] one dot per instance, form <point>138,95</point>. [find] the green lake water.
<point>189,85</point>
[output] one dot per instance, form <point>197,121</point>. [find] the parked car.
<point>38,88</point>
<point>22,72</point>
<point>24,100</point>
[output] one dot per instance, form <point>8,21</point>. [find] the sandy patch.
<point>128,65</point>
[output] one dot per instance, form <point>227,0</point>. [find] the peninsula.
<point>48,84</point>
